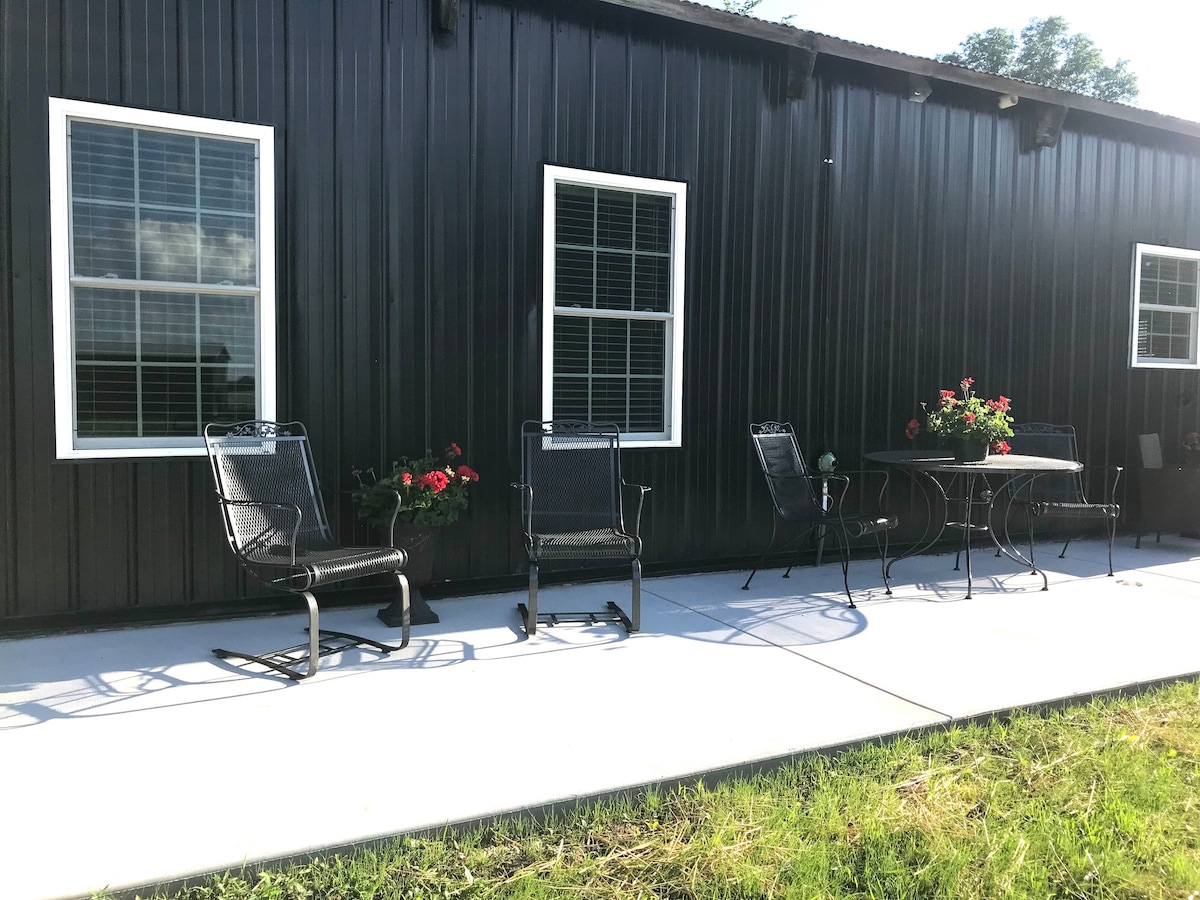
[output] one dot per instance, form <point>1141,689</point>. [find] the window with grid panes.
<point>1165,307</point>
<point>613,328</point>
<point>163,249</point>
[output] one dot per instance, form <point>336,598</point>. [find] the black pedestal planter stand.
<point>420,542</point>
<point>419,612</point>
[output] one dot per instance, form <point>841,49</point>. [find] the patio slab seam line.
<point>818,662</point>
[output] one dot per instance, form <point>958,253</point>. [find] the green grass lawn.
<point>1097,800</point>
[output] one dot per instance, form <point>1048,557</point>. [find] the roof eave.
<point>789,36</point>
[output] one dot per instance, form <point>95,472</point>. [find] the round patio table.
<point>945,481</point>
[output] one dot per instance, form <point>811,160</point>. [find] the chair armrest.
<point>526,505</point>
<point>265,504</point>
<point>1112,475</point>
<point>391,525</point>
<point>884,476</point>
<point>641,491</point>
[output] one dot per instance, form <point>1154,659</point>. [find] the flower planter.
<point>972,426</point>
<point>969,451</point>
<point>433,491</point>
<point>421,542</point>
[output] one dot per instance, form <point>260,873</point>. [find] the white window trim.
<point>61,112</point>
<point>1139,250</point>
<point>552,176</point>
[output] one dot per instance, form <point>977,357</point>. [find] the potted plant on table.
<point>434,491</point>
<point>973,426</point>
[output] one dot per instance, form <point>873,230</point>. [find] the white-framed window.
<point>1165,307</point>
<point>163,278</point>
<point>612,329</point>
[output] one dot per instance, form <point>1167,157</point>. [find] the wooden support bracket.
<point>445,15</point>
<point>1048,128</point>
<point>800,63</point>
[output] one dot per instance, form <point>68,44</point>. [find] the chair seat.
<point>1075,510</point>
<point>339,564</point>
<point>606,542</point>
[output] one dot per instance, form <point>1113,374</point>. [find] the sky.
<point>1157,37</point>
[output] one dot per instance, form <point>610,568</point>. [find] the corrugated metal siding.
<point>849,254</point>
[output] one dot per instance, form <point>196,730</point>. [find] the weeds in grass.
<point>1095,801</point>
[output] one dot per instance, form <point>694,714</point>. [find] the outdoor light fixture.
<point>1007,100</point>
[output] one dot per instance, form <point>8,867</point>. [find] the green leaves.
<point>433,490</point>
<point>1047,53</point>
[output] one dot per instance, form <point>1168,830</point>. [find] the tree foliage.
<point>747,7</point>
<point>1047,53</point>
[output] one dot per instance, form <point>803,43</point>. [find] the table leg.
<point>968,507</point>
<point>1008,548</point>
<point>968,525</point>
<point>929,494</point>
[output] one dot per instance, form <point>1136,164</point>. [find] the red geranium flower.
<point>967,417</point>
<point>432,490</point>
<point>435,481</point>
<point>913,429</point>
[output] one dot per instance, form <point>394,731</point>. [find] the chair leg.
<point>405,612</point>
<point>314,634</point>
<point>531,614</point>
<point>766,553</point>
<point>1112,533</point>
<point>1063,555</point>
<point>882,547</point>
<point>843,542</point>
<point>635,617</point>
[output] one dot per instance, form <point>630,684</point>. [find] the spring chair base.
<point>320,643</point>
<point>613,614</point>
<point>328,643</point>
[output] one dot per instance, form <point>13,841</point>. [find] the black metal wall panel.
<point>848,255</point>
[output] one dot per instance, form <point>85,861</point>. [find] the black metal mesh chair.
<point>1061,494</point>
<point>797,501</point>
<point>275,523</point>
<point>572,508</point>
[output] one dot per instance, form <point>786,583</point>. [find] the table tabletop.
<point>995,463</point>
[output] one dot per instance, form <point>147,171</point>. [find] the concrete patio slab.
<point>136,757</point>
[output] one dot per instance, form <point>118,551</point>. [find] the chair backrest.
<point>783,466</point>
<point>574,469</point>
<point>267,462</point>
<point>1056,442</point>
<point>1151,451</point>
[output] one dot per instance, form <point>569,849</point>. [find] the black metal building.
<point>863,228</point>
